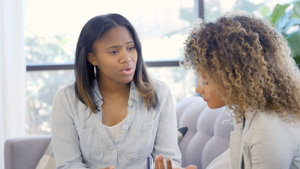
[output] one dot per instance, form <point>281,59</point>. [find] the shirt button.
<point>130,111</point>
<point>123,131</point>
<point>129,156</point>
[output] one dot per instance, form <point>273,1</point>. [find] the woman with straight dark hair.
<point>114,115</point>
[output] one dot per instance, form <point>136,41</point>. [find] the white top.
<point>114,131</point>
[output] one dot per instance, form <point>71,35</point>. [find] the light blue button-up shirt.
<point>80,140</point>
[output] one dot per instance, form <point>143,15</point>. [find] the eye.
<point>113,52</point>
<point>204,83</point>
<point>132,48</point>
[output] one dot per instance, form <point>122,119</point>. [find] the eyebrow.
<point>130,42</point>
<point>116,46</point>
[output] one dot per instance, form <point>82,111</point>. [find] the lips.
<point>127,70</point>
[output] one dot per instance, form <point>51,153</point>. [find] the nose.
<point>125,57</point>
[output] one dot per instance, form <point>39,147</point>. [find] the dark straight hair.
<point>92,31</point>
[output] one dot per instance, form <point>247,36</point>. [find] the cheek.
<point>215,100</point>
<point>219,102</point>
<point>135,58</point>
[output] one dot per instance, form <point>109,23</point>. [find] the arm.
<point>166,137</point>
<point>65,140</point>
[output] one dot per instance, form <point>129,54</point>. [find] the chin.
<point>214,106</point>
<point>128,80</point>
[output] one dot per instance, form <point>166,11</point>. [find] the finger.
<point>169,163</point>
<point>156,163</point>
<point>188,167</point>
<point>111,167</point>
<point>161,162</point>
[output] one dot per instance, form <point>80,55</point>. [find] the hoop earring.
<point>95,71</point>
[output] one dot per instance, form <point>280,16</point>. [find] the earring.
<point>95,71</point>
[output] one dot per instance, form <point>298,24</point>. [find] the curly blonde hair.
<point>248,61</point>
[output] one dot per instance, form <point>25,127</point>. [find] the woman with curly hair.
<point>243,63</point>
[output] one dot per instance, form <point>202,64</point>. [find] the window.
<point>51,32</point>
<point>53,26</point>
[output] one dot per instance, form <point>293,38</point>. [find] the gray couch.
<point>206,138</point>
<point>208,131</point>
<point>25,152</point>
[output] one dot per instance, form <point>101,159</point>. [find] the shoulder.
<point>67,90</point>
<point>160,85</point>
<point>271,126</point>
<point>163,92</point>
<point>273,120</point>
<point>270,137</point>
<point>161,88</point>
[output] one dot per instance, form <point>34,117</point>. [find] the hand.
<point>111,167</point>
<point>159,163</point>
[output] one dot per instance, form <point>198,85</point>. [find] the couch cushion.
<point>208,131</point>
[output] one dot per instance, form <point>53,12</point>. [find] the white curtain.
<point>12,72</point>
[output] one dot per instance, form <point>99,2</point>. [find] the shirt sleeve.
<point>65,140</point>
<point>166,142</point>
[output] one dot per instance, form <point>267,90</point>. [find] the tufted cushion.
<point>208,131</point>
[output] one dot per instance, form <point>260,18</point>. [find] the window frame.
<point>45,67</point>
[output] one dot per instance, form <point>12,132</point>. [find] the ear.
<point>92,58</point>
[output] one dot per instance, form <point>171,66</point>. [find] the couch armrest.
<point>24,152</point>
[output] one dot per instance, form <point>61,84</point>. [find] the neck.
<point>113,89</point>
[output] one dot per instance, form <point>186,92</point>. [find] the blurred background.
<point>51,29</point>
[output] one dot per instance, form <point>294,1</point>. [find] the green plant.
<point>286,19</point>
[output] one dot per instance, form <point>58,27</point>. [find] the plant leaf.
<point>278,12</point>
<point>283,22</point>
<point>296,8</point>
<point>297,60</point>
<point>264,10</point>
<point>292,22</point>
<point>294,41</point>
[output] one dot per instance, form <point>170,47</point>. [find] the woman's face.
<point>115,56</point>
<point>209,93</point>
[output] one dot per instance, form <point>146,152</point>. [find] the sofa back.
<point>208,131</point>
<point>24,152</point>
